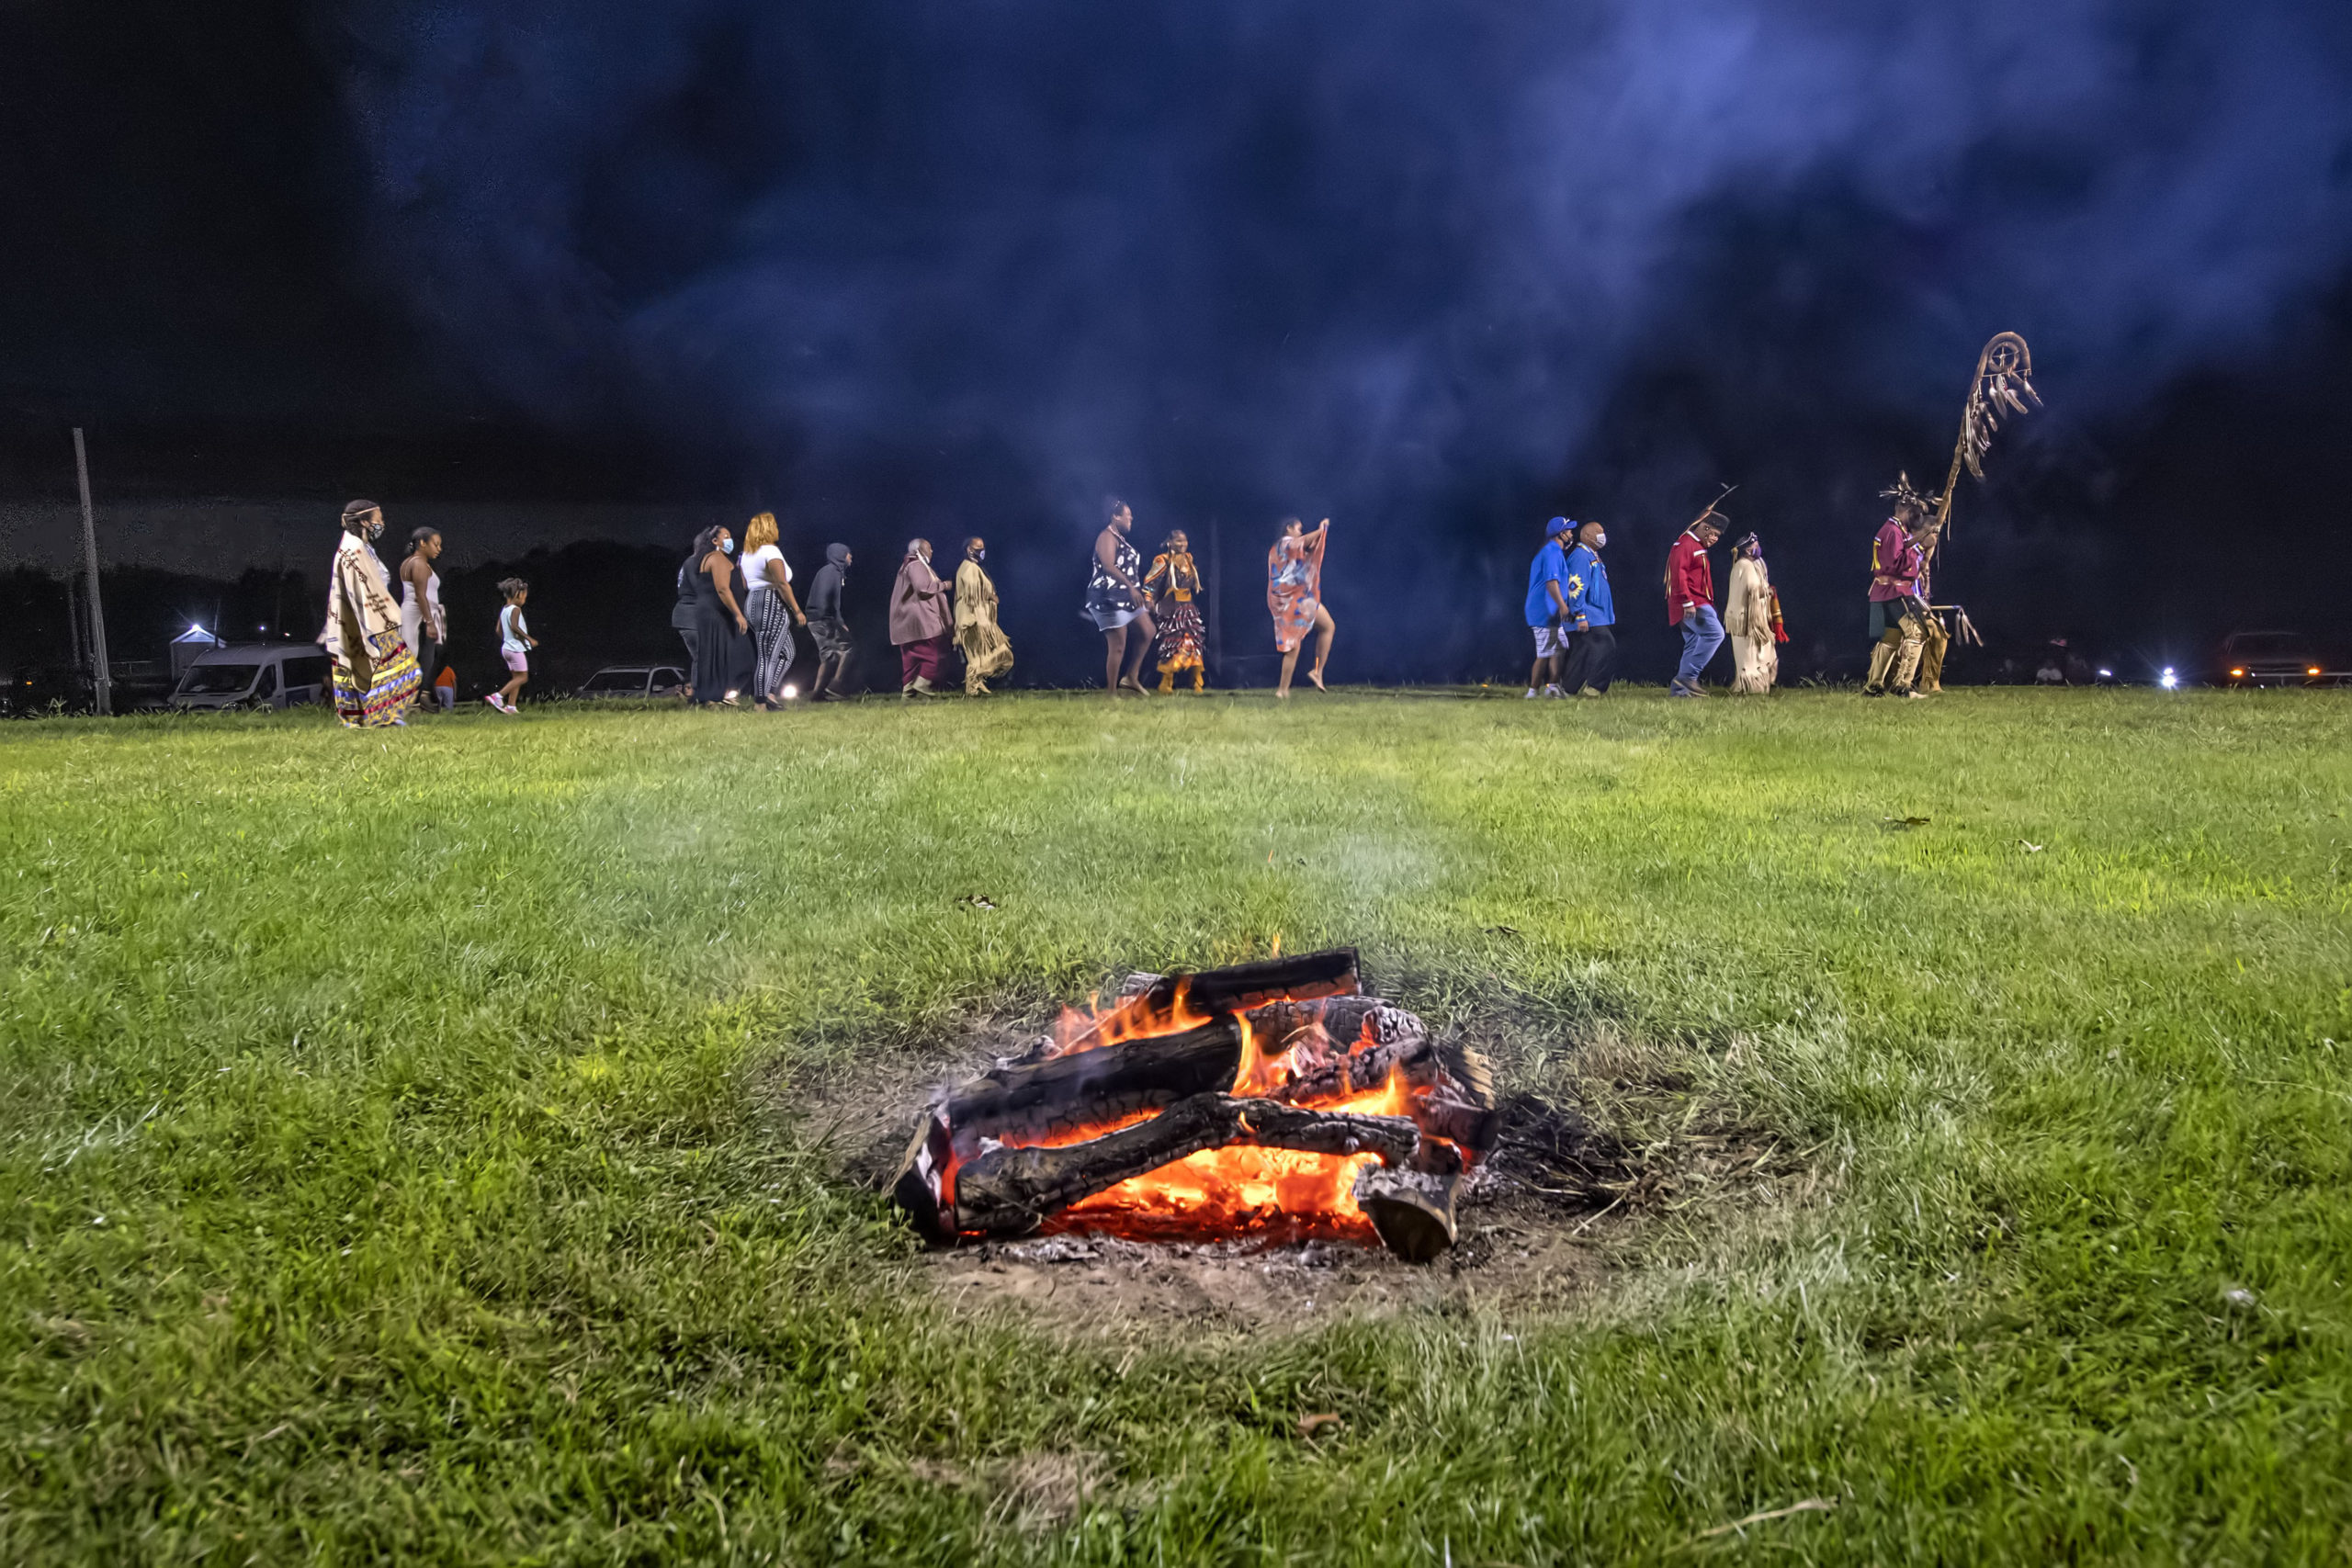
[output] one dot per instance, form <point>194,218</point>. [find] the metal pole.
<point>72,620</point>
<point>105,677</point>
<point>1216,599</point>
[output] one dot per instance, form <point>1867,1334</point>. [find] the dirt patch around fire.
<point>1620,1147</point>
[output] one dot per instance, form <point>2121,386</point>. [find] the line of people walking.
<point>737,612</point>
<point>1137,610</point>
<point>737,616</point>
<point>1572,611</point>
<point>386,653</point>
<point>1572,614</point>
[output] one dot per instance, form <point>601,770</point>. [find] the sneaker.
<point>492,698</point>
<point>1553,692</point>
<point>1531,692</point>
<point>1917,696</point>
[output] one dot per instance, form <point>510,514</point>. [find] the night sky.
<point>1437,271</point>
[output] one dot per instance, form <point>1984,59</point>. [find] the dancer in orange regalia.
<point>1175,580</point>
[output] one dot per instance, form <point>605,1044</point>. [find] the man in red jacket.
<point>1691,600</point>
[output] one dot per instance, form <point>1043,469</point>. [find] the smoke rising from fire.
<point>1390,261</point>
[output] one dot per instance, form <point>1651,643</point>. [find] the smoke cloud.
<point>1431,269</point>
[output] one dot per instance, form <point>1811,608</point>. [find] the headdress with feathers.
<point>1902,493</point>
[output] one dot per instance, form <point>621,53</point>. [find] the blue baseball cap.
<point>1557,527</point>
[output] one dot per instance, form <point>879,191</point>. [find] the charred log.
<point>1346,1019</point>
<point>1083,1089</point>
<point>1239,987</point>
<point>1412,1210</point>
<point>1440,1115</point>
<point>1398,1041</point>
<point>1007,1191</point>
<point>921,1188</point>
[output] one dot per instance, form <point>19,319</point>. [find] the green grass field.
<point>392,1168</point>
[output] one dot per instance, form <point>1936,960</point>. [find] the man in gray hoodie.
<point>823,608</point>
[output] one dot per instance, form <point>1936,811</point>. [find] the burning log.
<point>1283,1055</point>
<point>1008,1191</point>
<point>1063,1093</point>
<point>1239,987</point>
<point>1337,1061</point>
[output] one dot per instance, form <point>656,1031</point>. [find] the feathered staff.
<point>2003,385</point>
<point>2004,381</point>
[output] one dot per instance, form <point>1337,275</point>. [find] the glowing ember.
<point>1243,1191</point>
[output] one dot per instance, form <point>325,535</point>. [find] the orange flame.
<point>1131,1018</point>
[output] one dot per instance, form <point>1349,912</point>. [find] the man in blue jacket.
<point>1547,608</point>
<point>1591,615</point>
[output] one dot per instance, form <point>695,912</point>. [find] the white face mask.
<point>1598,540</point>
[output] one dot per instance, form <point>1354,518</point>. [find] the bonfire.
<point>1270,1101</point>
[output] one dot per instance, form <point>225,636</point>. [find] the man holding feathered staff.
<point>1898,607</point>
<point>1910,635</point>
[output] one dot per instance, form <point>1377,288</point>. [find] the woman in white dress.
<point>423,626</point>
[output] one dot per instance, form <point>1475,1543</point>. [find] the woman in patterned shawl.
<point>375,674</point>
<point>1177,583</point>
<point>1294,597</point>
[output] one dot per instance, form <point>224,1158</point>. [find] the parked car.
<point>2273,659</point>
<point>47,688</point>
<point>256,674</point>
<point>637,681</point>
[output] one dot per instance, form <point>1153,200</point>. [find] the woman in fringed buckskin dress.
<point>1748,621</point>
<point>987,651</point>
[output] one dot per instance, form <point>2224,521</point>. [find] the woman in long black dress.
<point>682,614</point>
<point>719,623</point>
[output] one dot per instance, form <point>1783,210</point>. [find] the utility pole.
<point>103,678</point>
